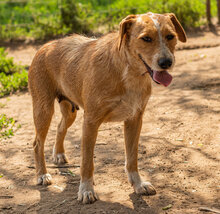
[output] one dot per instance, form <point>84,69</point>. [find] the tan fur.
<point>108,80</point>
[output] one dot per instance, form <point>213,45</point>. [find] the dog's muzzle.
<point>159,77</point>
<point>150,71</point>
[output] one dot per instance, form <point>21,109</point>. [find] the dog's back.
<point>55,62</point>
<point>61,67</point>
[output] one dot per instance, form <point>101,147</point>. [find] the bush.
<point>45,19</point>
<point>73,17</point>
<point>12,83</point>
<point>7,126</point>
<point>13,77</point>
<point>7,65</point>
<point>189,13</point>
<point>42,19</point>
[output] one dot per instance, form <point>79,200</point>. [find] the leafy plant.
<point>44,19</point>
<point>7,66</point>
<point>72,16</point>
<point>13,77</point>
<point>12,83</point>
<point>7,128</point>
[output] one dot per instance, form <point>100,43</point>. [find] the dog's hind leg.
<point>69,112</point>
<point>42,111</point>
<point>132,129</point>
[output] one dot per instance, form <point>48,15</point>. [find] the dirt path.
<point>179,149</point>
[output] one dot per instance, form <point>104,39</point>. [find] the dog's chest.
<point>126,107</point>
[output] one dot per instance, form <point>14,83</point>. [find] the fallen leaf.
<point>71,173</point>
<point>179,139</point>
<point>167,207</point>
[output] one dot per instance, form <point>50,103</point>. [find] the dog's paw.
<point>86,193</point>
<point>87,197</point>
<point>60,159</point>
<point>45,179</point>
<point>140,187</point>
<point>145,188</point>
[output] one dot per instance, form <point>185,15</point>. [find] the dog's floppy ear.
<point>179,29</point>
<point>125,24</point>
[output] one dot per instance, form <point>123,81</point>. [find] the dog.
<point>110,78</point>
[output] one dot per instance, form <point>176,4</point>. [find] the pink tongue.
<point>162,77</point>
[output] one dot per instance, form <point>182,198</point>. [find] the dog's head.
<point>150,40</point>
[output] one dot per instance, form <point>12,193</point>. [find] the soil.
<point>179,150</point>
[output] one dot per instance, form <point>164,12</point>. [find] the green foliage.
<point>73,16</point>
<point>12,83</point>
<point>13,77</point>
<point>7,65</point>
<point>190,13</point>
<point>44,19</point>
<point>6,126</point>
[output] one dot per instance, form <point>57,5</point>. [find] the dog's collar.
<point>149,70</point>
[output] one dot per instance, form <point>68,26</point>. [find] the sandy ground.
<point>179,150</point>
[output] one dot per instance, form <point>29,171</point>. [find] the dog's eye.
<point>147,39</point>
<point>169,37</point>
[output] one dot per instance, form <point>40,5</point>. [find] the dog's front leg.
<point>86,192</point>
<point>132,129</point>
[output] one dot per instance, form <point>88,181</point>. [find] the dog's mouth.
<point>159,77</point>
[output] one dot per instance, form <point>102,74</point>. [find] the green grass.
<point>7,65</point>
<point>13,77</point>
<point>7,126</point>
<point>12,83</point>
<point>44,19</point>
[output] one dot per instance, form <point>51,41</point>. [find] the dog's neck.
<point>119,58</point>
<point>121,63</point>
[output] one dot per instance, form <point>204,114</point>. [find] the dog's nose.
<point>165,63</point>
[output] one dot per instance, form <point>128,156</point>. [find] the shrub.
<point>44,19</point>
<point>72,16</point>
<point>13,77</point>
<point>7,66</point>
<point>12,83</point>
<point>189,13</point>
<point>6,126</point>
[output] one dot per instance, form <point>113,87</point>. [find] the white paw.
<point>86,192</point>
<point>60,158</point>
<point>145,188</point>
<point>44,179</point>
<point>87,197</point>
<point>139,186</point>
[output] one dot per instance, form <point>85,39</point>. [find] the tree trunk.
<point>218,9</point>
<point>208,12</point>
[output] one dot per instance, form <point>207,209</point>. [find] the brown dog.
<point>110,78</point>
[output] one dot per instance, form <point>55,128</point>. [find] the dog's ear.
<point>125,24</point>
<point>179,29</point>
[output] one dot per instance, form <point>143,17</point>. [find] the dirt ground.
<point>179,150</point>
